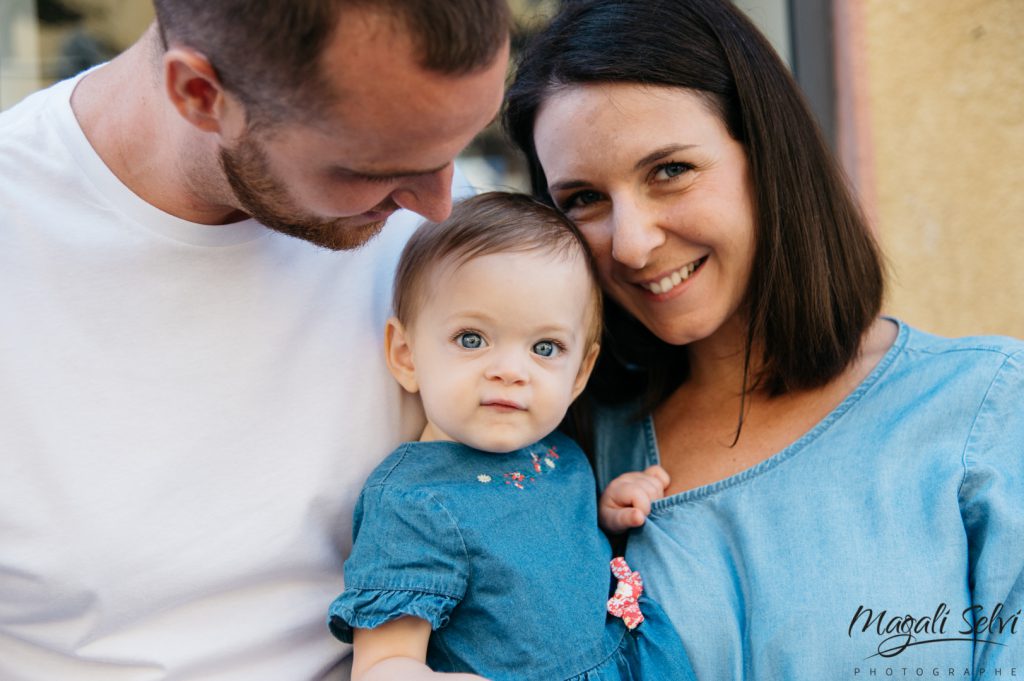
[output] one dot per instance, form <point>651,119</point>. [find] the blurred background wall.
<point>935,106</point>
<point>922,99</point>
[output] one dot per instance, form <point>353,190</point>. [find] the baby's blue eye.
<point>546,348</point>
<point>469,340</point>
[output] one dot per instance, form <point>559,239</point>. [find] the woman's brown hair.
<point>817,278</point>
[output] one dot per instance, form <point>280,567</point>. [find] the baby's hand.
<point>626,501</point>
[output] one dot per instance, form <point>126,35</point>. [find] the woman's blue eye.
<point>670,170</point>
<point>546,348</point>
<point>469,340</point>
<point>579,200</point>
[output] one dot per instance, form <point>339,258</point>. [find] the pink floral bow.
<point>623,602</point>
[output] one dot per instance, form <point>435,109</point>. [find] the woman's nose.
<point>635,235</point>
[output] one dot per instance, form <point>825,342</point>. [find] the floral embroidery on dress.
<point>541,464</point>
<point>516,479</point>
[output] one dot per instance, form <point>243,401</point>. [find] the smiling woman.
<point>672,228</point>
<point>812,445</point>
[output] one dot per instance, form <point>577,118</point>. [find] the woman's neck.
<point>702,436</point>
<point>717,362</point>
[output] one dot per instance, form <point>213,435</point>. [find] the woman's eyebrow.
<point>650,158</point>
<point>661,153</point>
<point>568,184</point>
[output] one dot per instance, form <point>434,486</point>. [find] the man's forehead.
<point>373,57</point>
<point>417,130</point>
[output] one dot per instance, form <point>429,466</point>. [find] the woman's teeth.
<point>670,281</point>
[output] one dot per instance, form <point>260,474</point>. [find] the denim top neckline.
<point>788,452</point>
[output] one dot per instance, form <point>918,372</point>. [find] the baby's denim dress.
<point>502,555</point>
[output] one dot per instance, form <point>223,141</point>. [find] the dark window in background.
<point>813,59</point>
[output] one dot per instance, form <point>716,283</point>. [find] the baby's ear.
<point>585,368</point>
<point>398,355</point>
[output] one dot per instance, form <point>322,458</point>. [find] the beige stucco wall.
<point>944,94</point>
<point>119,22</point>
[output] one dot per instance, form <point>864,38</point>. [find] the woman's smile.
<point>667,209</point>
<point>673,281</point>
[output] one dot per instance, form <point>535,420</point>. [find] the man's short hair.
<point>495,222</point>
<point>268,52</point>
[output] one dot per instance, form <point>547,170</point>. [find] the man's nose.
<point>429,195</point>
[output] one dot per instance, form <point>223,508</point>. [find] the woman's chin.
<point>676,330</point>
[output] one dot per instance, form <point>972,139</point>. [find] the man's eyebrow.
<point>395,174</point>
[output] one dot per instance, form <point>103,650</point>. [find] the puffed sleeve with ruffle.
<point>992,506</point>
<point>408,558</point>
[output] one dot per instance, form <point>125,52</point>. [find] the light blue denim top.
<point>502,555</point>
<point>908,498</point>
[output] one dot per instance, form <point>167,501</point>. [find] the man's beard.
<point>263,197</point>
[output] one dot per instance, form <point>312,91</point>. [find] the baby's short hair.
<point>494,222</point>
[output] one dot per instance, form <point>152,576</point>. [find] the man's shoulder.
<point>32,144</point>
<point>29,112</point>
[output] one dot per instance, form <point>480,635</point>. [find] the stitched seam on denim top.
<point>788,452</point>
<point>997,377</point>
<point>405,590</point>
<point>403,451</point>
<point>462,542</point>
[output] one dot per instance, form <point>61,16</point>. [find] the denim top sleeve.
<point>408,558</point>
<point>992,505</point>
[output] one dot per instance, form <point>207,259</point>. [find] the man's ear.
<point>398,355</point>
<point>585,368</point>
<point>194,89</point>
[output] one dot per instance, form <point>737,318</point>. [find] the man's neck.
<point>138,134</point>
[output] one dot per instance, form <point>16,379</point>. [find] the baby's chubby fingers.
<point>618,519</point>
<point>626,502</point>
<point>650,483</point>
<point>659,474</point>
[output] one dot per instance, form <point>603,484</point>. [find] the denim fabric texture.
<point>501,553</point>
<point>872,547</point>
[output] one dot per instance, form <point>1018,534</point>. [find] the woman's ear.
<point>398,355</point>
<point>585,368</point>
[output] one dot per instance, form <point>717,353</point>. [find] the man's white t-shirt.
<point>187,413</point>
